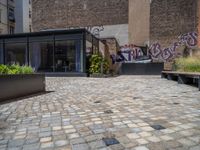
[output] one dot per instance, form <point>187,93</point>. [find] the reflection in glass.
<point>67,56</point>
<point>41,56</point>
<point>15,53</point>
<point>88,48</point>
<point>1,53</point>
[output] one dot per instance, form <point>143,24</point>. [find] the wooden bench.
<point>182,77</point>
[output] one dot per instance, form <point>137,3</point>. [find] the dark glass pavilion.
<point>49,51</point>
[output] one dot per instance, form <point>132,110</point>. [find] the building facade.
<point>103,18</point>
<point>173,28</point>
<point>7,17</point>
<point>23,15</point>
<point>172,18</point>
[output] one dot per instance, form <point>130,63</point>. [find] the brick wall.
<point>198,22</point>
<point>171,18</point>
<point>49,14</point>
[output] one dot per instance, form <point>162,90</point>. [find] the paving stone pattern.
<point>69,118</point>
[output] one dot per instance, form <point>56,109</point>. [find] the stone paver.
<point>79,112</point>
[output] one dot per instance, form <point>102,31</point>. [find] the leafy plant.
<point>15,69</point>
<point>3,69</point>
<point>189,64</point>
<point>97,62</point>
<point>26,70</point>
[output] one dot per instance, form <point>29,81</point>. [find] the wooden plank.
<point>182,73</point>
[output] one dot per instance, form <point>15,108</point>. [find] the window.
<point>41,53</point>
<point>0,16</point>
<point>30,28</point>
<point>1,52</point>
<point>11,15</point>
<point>11,29</point>
<point>16,53</point>
<point>30,14</point>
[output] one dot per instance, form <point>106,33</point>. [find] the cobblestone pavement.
<point>80,113</point>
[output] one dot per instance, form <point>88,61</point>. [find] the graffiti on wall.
<point>157,53</point>
<point>130,53</point>
<point>95,30</point>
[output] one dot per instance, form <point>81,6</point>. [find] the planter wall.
<point>142,68</point>
<point>15,86</point>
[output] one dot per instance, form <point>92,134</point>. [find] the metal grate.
<point>176,103</point>
<point>108,112</point>
<point>110,141</point>
<point>97,102</point>
<point>158,127</point>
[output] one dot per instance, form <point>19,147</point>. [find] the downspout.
<point>7,17</point>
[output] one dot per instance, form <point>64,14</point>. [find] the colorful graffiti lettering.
<point>157,53</point>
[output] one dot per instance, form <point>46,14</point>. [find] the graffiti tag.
<point>156,52</point>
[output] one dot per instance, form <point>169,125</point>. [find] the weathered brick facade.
<point>198,22</point>
<point>50,14</point>
<point>172,18</point>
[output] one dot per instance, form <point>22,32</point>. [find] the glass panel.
<point>1,53</point>
<point>95,46</point>
<point>68,56</point>
<point>102,48</point>
<point>88,48</point>
<point>41,56</point>
<point>15,53</point>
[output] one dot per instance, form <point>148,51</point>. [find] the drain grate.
<point>176,103</point>
<point>110,141</point>
<point>108,112</point>
<point>136,97</point>
<point>97,102</point>
<point>158,127</point>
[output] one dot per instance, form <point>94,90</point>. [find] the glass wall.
<point>69,53</point>
<point>88,48</point>
<point>95,44</point>
<point>41,53</point>
<point>16,50</point>
<point>48,52</point>
<point>1,52</point>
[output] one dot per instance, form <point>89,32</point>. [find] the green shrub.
<point>15,69</point>
<point>3,69</point>
<point>95,64</point>
<point>26,70</point>
<point>189,64</point>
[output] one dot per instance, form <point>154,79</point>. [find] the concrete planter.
<point>15,86</point>
<point>142,68</point>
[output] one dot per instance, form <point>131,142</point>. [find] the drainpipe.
<point>7,17</point>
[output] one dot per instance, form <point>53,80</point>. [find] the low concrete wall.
<point>142,69</point>
<point>15,86</point>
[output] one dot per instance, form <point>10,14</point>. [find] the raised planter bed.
<point>142,68</point>
<point>182,77</point>
<point>15,86</point>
